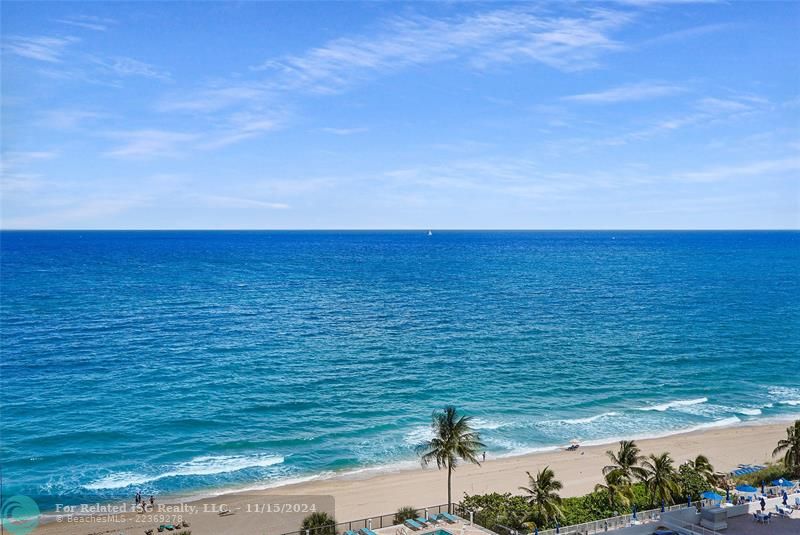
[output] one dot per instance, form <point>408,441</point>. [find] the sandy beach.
<point>357,498</point>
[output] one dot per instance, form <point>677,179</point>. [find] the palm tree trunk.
<point>449,486</point>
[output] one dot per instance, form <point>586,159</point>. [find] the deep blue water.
<point>175,362</point>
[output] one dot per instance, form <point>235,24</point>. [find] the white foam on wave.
<point>724,422</point>
<point>199,466</point>
<point>480,423</point>
<point>786,395</point>
<point>418,435</point>
<point>589,419</point>
<point>748,411</point>
<point>673,404</point>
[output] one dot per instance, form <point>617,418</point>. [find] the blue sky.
<point>630,114</point>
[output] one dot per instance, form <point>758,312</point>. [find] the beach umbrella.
<point>711,495</point>
<point>747,489</point>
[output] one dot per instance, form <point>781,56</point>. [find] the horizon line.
<point>420,229</point>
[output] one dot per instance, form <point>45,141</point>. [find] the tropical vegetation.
<point>790,448</point>
<point>630,480</point>
<point>319,523</point>
<point>542,497</point>
<point>404,513</point>
<point>660,478</point>
<point>625,462</point>
<point>453,439</point>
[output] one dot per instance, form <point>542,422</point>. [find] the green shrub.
<point>404,513</point>
<point>320,523</point>
<point>691,483</point>
<point>770,473</point>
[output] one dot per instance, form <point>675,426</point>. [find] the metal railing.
<point>613,523</point>
<point>688,528</point>
<point>372,522</point>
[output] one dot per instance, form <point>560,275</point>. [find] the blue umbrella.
<point>711,495</point>
<point>662,506</point>
<point>746,488</point>
<point>783,483</point>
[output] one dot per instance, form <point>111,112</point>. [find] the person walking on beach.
<point>484,457</point>
<point>152,501</point>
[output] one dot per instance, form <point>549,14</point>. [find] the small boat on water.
<point>430,233</point>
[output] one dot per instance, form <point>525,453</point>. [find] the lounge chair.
<point>450,518</point>
<point>421,520</point>
<point>433,519</point>
<point>349,532</point>
<point>366,531</point>
<point>413,524</point>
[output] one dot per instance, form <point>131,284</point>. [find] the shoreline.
<point>413,465</point>
<point>370,494</point>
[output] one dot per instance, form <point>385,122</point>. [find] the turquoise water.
<point>178,362</point>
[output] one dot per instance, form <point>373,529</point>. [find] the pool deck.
<point>745,525</point>
<point>461,527</point>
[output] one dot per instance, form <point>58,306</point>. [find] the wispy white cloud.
<point>40,48</point>
<point>241,126</point>
<point>88,22</point>
<point>691,32</point>
<point>344,131</point>
<point>213,99</point>
<point>65,119</point>
<point>705,111</point>
<point>628,93</point>
<point>225,201</point>
<point>499,36</point>
<point>150,143</point>
<point>124,67</point>
<point>760,168</point>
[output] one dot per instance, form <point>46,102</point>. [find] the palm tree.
<point>543,496</point>
<point>617,487</point>
<point>453,439</point>
<point>626,461</point>
<point>660,478</point>
<point>703,468</point>
<point>790,444</point>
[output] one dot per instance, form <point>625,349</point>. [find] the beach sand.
<point>357,498</point>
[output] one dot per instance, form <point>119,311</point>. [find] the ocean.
<point>187,362</point>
